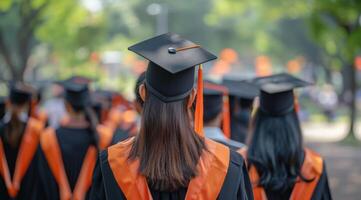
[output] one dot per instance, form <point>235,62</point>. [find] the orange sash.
<point>114,118</point>
<point>105,136</point>
<point>26,153</point>
<point>42,116</point>
<point>212,168</point>
<point>125,120</point>
<point>52,151</point>
<point>311,169</point>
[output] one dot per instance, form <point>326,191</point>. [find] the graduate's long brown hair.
<point>167,146</point>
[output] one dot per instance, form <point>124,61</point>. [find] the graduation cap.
<point>277,96</point>
<point>216,100</point>
<point>19,93</point>
<point>171,69</point>
<point>77,94</point>
<point>241,88</point>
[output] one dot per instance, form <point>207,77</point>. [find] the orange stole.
<point>212,170</point>
<point>311,169</point>
<point>42,116</point>
<point>114,118</point>
<point>52,151</point>
<point>26,153</point>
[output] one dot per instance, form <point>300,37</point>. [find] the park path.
<point>343,165</point>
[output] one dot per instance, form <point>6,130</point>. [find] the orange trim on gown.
<point>25,155</point>
<point>52,151</point>
<point>212,170</point>
<point>312,168</point>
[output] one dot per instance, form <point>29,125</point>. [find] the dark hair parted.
<point>167,146</point>
<point>276,150</point>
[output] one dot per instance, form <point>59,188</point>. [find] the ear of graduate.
<point>181,137</point>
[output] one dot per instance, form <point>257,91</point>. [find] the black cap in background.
<point>19,93</point>
<point>241,88</point>
<point>77,94</point>
<point>277,96</point>
<point>171,70</point>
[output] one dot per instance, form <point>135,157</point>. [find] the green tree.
<point>64,26</point>
<point>336,27</point>
<point>333,24</point>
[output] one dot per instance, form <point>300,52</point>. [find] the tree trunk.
<point>352,106</point>
<point>18,75</point>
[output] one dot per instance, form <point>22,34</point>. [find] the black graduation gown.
<point>30,188</point>
<point>236,185</point>
<point>239,127</point>
<point>74,143</point>
<point>322,190</point>
<point>120,135</point>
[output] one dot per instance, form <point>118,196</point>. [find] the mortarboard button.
<point>172,50</point>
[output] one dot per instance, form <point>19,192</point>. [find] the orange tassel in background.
<point>198,118</point>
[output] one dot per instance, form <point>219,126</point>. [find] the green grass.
<point>351,140</point>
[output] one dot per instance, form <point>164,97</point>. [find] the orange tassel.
<point>33,106</point>
<point>198,118</point>
<point>226,117</point>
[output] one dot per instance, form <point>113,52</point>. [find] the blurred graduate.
<point>19,143</point>
<point>280,166</point>
<point>216,115</point>
<point>241,97</point>
<point>109,115</point>
<point>70,152</point>
<point>170,158</point>
<point>2,107</point>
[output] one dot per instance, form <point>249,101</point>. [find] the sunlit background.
<point>319,40</point>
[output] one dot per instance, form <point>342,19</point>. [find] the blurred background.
<point>318,40</point>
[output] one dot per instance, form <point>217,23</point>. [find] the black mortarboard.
<point>171,69</point>
<point>19,93</point>
<point>170,73</point>
<point>76,94</point>
<point>241,89</point>
<point>277,96</point>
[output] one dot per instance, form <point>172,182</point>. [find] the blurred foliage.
<point>283,29</point>
<point>61,36</point>
<point>68,30</point>
<point>54,39</point>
